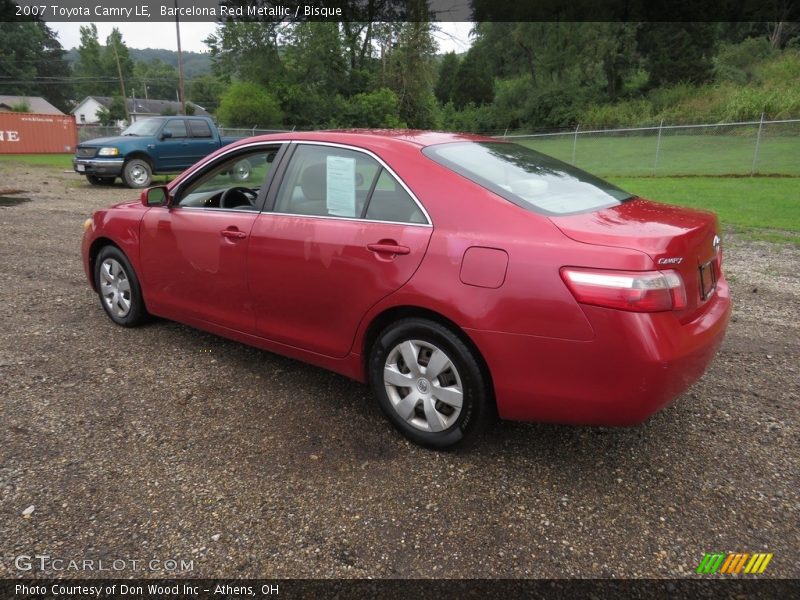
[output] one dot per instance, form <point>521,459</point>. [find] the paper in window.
<point>341,186</point>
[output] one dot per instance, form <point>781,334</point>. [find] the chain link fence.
<point>744,148</point>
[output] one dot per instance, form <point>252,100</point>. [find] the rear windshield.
<point>527,178</point>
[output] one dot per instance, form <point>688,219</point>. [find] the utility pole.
<point>181,96</point>
<point>122,83</point>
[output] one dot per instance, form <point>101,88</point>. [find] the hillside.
<point>194,63</point>
<point>748,82</point>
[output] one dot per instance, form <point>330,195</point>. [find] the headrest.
<point>314,182</point>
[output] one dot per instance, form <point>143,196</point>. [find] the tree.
<point>114,113</point>
<point>315,57</point>
<point>31,59</point>
<point>206,91</point>
<point>116,62</point>
<point>247,51</point>
<point>88,71</point>
<point>412,68</point>
<point>473,81</point>
<point>677,52</point>
<point>615,45</point>
<point>247,104</point>
<point>154,79</point>
<point>447,78</point>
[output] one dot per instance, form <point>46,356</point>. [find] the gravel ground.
<point>165,442</point>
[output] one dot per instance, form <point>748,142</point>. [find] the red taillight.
<point>639,291</point>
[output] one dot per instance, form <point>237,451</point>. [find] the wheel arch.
<point>140,154</point>
<point>395,313</point>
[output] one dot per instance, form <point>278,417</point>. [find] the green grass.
<point>61,161</point>
<point>679,154</point>
<point>764,208</point>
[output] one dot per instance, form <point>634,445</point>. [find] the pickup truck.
<point>151,146</point>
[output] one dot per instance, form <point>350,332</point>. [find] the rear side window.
<point>390,202</point>
<point>200,129</point>
<point>528,178</point>
<point>177,127</point>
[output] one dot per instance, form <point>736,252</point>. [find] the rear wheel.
<point>118,288</point>
<point>429,384</point>
<point>137,173</point>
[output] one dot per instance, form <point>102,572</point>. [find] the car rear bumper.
<point>101,167</point>
<point>636,365</point>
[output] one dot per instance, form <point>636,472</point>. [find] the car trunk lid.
<point>676,238</point>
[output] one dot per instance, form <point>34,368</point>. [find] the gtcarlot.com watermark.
<point>44,563</point>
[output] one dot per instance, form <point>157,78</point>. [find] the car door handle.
<point>233,234</point>
<point>388,248</point>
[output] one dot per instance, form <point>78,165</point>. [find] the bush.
<point>247,104</point>
<point>621,114</point>
<point>379,108</point>
<point>737,62</point>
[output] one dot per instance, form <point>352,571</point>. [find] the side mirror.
<point>166,134</point>
<point>155,196</point>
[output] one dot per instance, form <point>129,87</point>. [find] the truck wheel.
<point>241,171</point>
<point>137,173</point>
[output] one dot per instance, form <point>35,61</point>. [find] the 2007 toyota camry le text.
<point>461,277</point>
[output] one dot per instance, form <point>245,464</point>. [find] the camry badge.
<point>676,260</point>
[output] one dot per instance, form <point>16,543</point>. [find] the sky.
<point>453,36</point>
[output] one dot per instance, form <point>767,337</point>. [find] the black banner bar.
<point>417,589</point>
<point>400,10</point>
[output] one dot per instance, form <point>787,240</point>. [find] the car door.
<point>194,252</point>
<point>324,254</point>
<point>172,150</point>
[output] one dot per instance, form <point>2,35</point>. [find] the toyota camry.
<point>460,277</point>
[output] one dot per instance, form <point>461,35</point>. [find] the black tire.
<point>476,410</point>
<point>137,173</point>
<point>137,313</point>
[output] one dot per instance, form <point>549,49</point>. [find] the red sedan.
<point>461,277</point>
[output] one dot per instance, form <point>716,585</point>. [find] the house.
<point>138,108</point>
<point>35,104</point>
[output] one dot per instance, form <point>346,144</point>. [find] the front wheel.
<point>429,384</point>
<point>118,288</point>
<point>137,173</point>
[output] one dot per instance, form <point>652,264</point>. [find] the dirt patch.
<point>165,442</point>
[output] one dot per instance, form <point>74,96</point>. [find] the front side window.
<point>337,182</point>
<point>233,183</point>
<point>528,178</point>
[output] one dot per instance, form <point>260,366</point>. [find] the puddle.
<point>12,200</point>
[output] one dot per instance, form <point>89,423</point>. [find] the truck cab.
<point>148,147</point>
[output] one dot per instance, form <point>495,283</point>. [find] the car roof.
<point>375,137</point>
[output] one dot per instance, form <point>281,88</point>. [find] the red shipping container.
<point>28,133</point>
